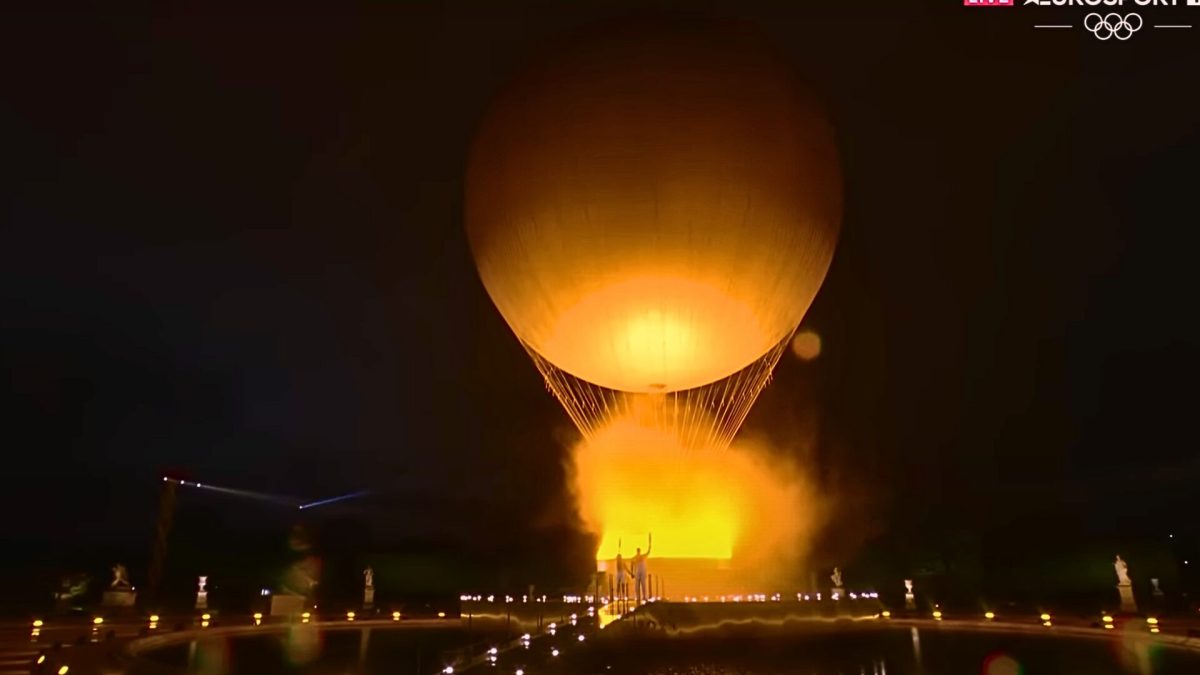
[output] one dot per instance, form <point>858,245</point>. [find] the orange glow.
<point>634,480</point>
<point>806,345</point>
<point>657,333</point>
<point>607,615</point>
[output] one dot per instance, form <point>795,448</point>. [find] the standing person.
<point>639,569</point>
<point>622,578</point>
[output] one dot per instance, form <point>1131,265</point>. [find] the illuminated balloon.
<point>653,210</point>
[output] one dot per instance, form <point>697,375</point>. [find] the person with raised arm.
<point>639,569</point>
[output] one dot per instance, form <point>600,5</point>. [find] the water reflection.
<point>897,650</point>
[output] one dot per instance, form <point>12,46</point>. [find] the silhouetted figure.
<point>639,569</point>
<point>622,578</point>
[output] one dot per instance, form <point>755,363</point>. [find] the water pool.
<point>800,648</point>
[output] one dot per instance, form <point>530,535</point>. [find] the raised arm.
<point>649,542</point>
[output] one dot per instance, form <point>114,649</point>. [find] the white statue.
<point>202,581</point>
<point>836,578</point>
<point>120,577</point>
<point>369,575</point>
<point>1157,590</point>
<point>908,586</point>
<point>1122,572</point>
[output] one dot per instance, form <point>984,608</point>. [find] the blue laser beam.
<point>332,500</point>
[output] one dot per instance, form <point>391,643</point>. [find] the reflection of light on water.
<point>301,644</point>
<point>916,637</point>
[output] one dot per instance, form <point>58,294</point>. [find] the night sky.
<point>233,248</point>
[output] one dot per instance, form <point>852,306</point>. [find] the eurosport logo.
<point>1107,22</point>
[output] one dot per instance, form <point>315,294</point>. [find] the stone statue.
<point>120,577</point>
<point>836,578</point>
<point>201,593</point>
<point>120,592</point>
<point>369,575</point>
<point>908,586</point>
<point>1122,572</point>
<point>1157,589</point>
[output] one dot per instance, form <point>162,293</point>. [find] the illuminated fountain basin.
<point>672,638</point>
<point>875,650</point>
<point>365,647</point>
<point>772,639</point>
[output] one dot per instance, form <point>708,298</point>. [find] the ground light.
<point>887,614</point>
<point>97,621</point>
<point>37,623</point>
<point>989,615</point>
<point>395,616</point>
<point>937,614</point>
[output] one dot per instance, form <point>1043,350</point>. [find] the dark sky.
<point>233,247</point>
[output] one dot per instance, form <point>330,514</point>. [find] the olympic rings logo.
<point>1113,25</point>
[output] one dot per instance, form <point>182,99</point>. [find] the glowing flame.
<point>633,480</point>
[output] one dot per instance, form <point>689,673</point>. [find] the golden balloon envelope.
<point>654,209</point>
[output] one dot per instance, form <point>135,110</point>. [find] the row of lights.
<point>760,597</point>
<point>604,600</point>
<point>1045,618</point>
<point>205,618</point>
<point>568,599</point>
